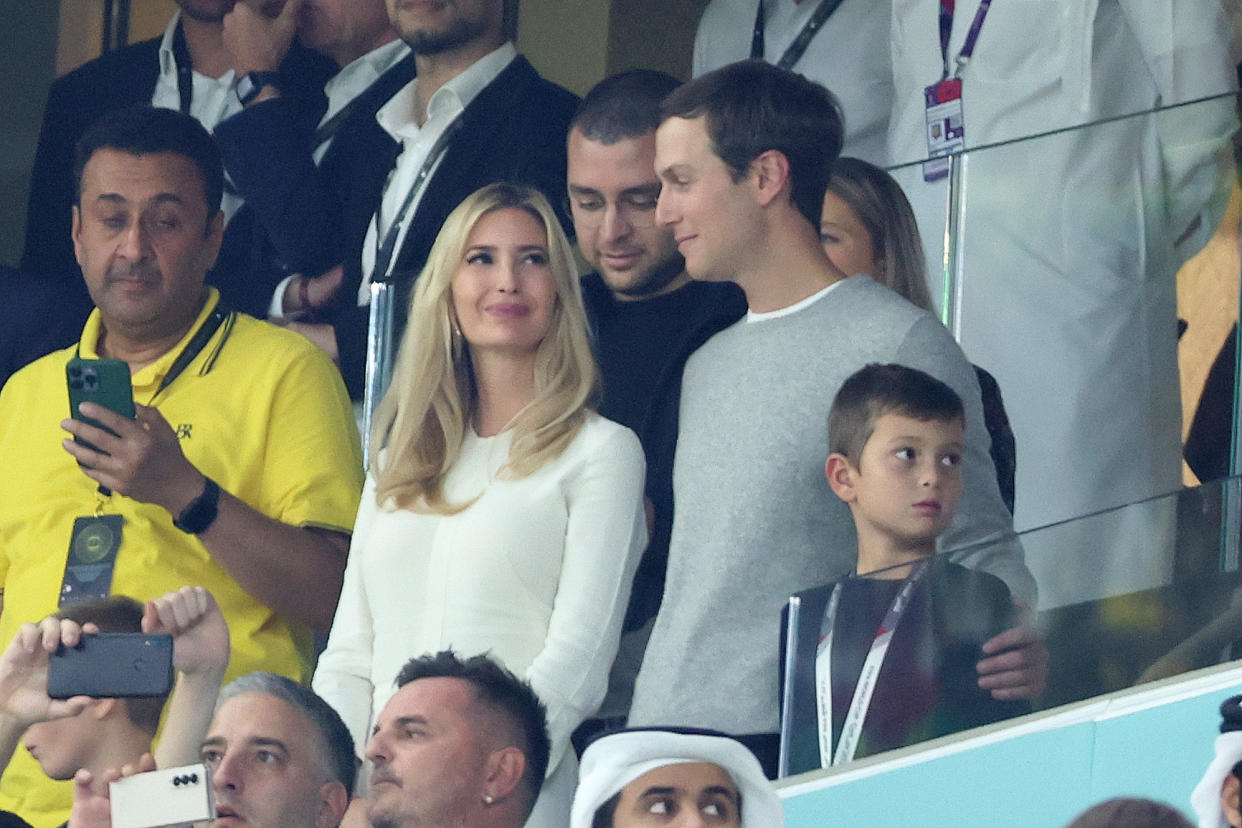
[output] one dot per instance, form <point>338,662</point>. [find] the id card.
<point>946,127</point>
<point>92,558</point>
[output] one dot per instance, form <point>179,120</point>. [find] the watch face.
<point>252,84</point>
<point>246,90</point>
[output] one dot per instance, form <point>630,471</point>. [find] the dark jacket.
<point>309,217</point>
<point>122,78</point>
<point>514,130</point>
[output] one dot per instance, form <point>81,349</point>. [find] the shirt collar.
<point>168,63</point>
<point>150,375</point>
<point>398,116</point>
<point>801,304</point>
<point>359,74</point>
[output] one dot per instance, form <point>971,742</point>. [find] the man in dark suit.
<point>27,330</point>
<point>188,68</point>
<point>478,112</point>
<point>293,173</point>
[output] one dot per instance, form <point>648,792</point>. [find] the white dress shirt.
<point>212,100</point>
<point>355,78</point>
<point>399,118</point>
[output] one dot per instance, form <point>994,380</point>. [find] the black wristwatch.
<point>201,512</point>
<point>251,84</point>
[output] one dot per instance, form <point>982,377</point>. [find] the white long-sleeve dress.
<point>536,572</point>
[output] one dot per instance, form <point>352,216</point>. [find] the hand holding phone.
<point>24,667</point>
<point>104,382</point>
<point>112,665</point>
<point>163,797</point>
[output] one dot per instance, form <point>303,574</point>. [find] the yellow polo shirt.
<point>260,410</point>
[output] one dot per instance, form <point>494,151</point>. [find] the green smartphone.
<point>101,381</point>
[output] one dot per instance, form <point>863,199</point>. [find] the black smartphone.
<point>101,381</point>
<point>112,665</point>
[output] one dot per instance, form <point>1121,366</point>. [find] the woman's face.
<point>503,293</point>
<point>846,240</point>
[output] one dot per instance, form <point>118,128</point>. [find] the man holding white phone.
<point>279,756</point>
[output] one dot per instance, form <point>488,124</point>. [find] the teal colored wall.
<point>1153,742</point>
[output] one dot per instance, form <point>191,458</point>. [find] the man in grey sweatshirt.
<point>744,155</point>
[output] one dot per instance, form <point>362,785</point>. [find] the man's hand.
<point>258,35</point>
<point>200,635</point>
<point>200,654</point>
<point>1016,662</point>
<point>23,672</point>
<point>321,334</point>
<point>92,805</point>
<point>307,294</point>
<point>142,461</point>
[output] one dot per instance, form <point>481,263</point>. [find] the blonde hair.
<point>884,210</point>
<point>423,418</point>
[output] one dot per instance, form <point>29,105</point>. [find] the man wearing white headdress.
<point>629,775</point>
<point>1215,798</point>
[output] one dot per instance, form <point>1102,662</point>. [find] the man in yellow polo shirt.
<point>241,470</point>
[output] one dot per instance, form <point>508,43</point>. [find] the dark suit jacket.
<point>75,101</point>
<point>515,130</point>
<point>308,217</point>
<point>37,316</point>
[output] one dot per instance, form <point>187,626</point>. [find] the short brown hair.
<point>875,390</point>
<point>752,107</point>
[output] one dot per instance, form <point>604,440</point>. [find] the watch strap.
<point>201,513</point>
<point>252,83</point>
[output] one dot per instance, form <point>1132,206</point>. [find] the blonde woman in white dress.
<point>502,515</point>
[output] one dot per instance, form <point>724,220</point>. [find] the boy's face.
<point>908,479</point>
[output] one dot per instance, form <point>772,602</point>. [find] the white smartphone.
<point>163,797</point>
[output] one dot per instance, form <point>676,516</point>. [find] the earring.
<point>487,799</point>
<point>456,341</point>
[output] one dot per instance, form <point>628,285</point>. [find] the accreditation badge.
<point>92,558</point>
<point>946,127</point>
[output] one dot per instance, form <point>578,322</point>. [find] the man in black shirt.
<point>647,314</point>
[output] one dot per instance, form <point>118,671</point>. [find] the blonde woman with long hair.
<point>502,514</point>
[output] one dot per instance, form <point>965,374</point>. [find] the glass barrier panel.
<point>1172,603</point>
<point>1169,603</point>
<point>1063,262</point>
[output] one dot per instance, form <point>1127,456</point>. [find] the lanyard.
<point>972,36</point>
<point>851,729</point>
<point>326,131</point>
<point>384,254</point>
<point>799,44</point>
<point>218,316</point>
<point>185,86</point>
<point>185,69</point>
<point>196,344</point>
